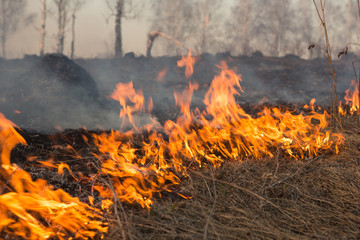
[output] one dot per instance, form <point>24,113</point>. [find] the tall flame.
<point>135,171</point>
<point>133,179</point>
<point>32,209</point>
<point>352,97</point>
<point>225,131</point>
<point>187,62</point>
<point>130,100</point>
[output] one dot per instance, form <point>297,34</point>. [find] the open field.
<point>278,197</point>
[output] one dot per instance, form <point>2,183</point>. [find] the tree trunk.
<point>42,30</point>
<point>151,38</point>
<point>73,36</point>
<point>118,37</point>
<point>62,39</point>
<point>61,4</point>
<point>3,29</point>
<point>59,27</point>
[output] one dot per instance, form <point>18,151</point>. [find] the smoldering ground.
<point>54,92</point>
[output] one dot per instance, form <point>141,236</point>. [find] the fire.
<point>222,132</point>
<point>9,138</point>
<point>125,93</point>
<point>161,75</point>
<point>225,131</point>
<point>351,99</point>
<point>33,209</point>
<point>133,179</point>
<point>135,169</point>
<point>187,62</point>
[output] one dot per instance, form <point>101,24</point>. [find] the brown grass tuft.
<point>267,199</point>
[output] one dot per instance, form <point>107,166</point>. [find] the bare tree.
<point>272,30</point>
<point>117,9</point>
<point>62,7</point>
<point>174,18</point>
<point>208,23</point>
<point>121,9</point>
<point>11,11</point>
<point>238,25</point>
<point>320,9</point>
<point>281,17</point>
<point>76,6</point>
<point>153,35</point>
<point>304,30</point>
<point>42,29</point>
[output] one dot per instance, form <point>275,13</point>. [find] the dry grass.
<point>258,199</point>
<point>320,9</point>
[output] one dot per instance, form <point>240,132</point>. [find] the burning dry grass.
<point>269,198</point>
<point>274,198</point>
<point>217,173</point>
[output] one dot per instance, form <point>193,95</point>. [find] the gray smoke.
<point>54,92</point>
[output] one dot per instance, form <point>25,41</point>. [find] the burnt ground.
<point>54,92</point>
<point>274,198</point>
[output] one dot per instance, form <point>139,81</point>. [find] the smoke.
<point>54,92</point>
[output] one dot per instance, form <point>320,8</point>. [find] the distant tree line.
<point>240,27</point>
<point>11,15</point>
<point>275,28</point>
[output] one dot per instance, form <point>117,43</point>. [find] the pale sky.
<point>94,34</point>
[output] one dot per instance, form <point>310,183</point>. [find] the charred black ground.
<point>275,198</point>
<point>43,94</point>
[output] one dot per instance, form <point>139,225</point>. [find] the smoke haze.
<point>236,26</point>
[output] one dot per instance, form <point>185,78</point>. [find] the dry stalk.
<point>298,171</point>
<point>212,208</point>
<point>251,193</point>
<point>321,14</point>
<point>6,184</point>
<point>118,204</point>
<point>153,35</point>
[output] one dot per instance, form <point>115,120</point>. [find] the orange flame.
<point>183,100</point>
<point>125,93</point>
<point>9,138</point>
<point>131,182</point>
<point>60,167</point>
<point>352,97</point>
<point>232,134</point>
<point>187,62</point>
<point>32,209</point>
<point>222,132</point>
<point>160,76</point>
